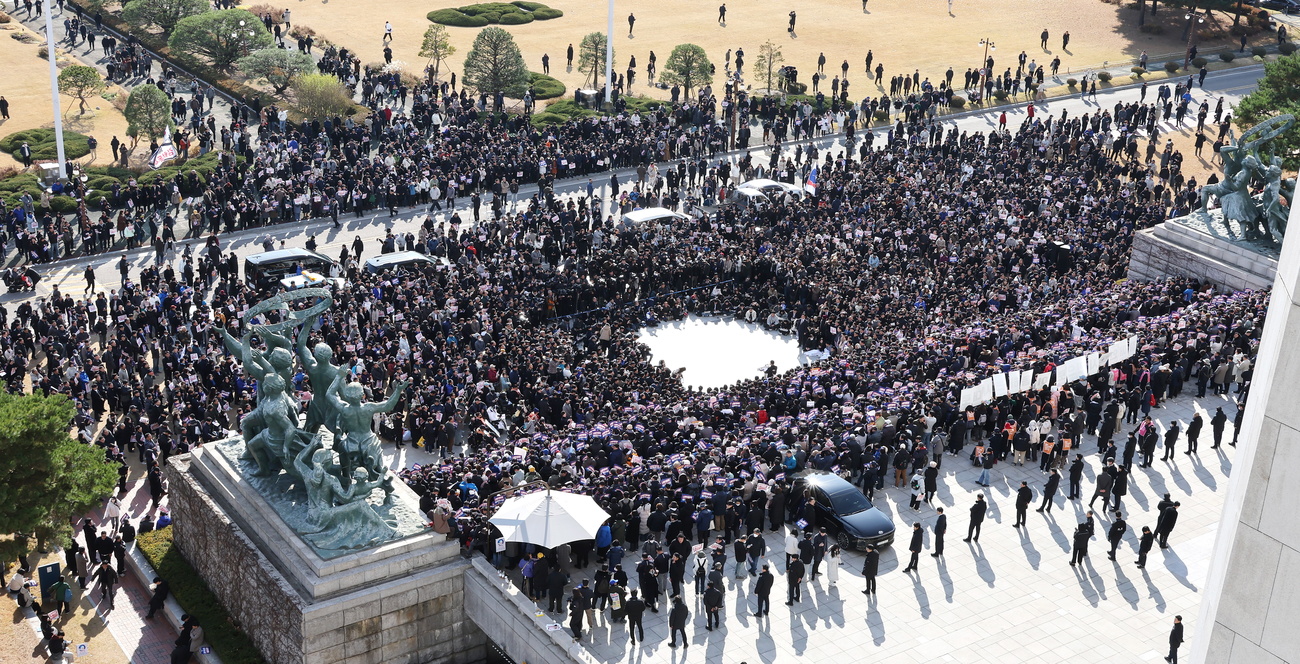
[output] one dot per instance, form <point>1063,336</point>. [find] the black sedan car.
<point>845,512</point>
<point>1287,7</point>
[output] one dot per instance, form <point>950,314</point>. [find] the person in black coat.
<point>1049,490</point>
<point>1116,534</point>
<point>555,583</point>
<point>1105,482</point>
<point>648,577</point>
<point>940,527</point>
<point>577,609</point>
<point>931,481</point>
<point>1216,426</point>
<point>1024,496</point>
<point>635,612</point>
<point>915,547</point>
<point>713,607</point>
<point>756,548</point>
<point>677,619</point>
<point>1076,477</point>
<point>977,512</point>
<point>1171,440</point>
<point>1175,640</point>
<point>1168,519</point>
<point>158,600</point>
<point>1119,488</point>
<point>1080,545</point>
<point>806,551</point>
<point>763,592</point>
<point>1194,431</point>
<point>1144,546</point>
<point>870,567</point>
<point>794,581</point>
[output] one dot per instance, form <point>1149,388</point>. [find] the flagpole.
<point>54,90</point>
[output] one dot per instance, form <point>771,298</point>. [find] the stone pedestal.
<point>398,602</point>
<point>1176,249</point>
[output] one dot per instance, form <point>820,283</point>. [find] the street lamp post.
<point>54,90</point>
<point>1191,34</point>
<point>985,70</point>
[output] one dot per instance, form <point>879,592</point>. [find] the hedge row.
<point>194,596</point>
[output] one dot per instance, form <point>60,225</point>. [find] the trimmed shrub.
<point>1072,82</point>
<point>1199,61</point>
<point>1172,66</point>
<point>492,13</point>
<point>882,114</point>
<point>1258,50</point>
<point>1138,71</point>
<point>197,599</point>
<point>42,143</point>
<point>956,101</point>
<point>1000,95</point>
<point>456,18</point>
<point>1227,56</point>
<point>545,87</point>
<point>1103,76</point>
<point>568,108</point>
<point>515,18</point>
<point>547,119</point>
<point>1286,48</point>
<point>642,104</point>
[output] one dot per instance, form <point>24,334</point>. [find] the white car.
<point>773,189</point>
<point>654,214</point>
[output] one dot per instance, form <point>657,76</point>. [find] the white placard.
<point>999,383</point>
<point>1042,380</point>
<point>1093,361</point>
<point>1026,380</point>
<point>1076,368</point>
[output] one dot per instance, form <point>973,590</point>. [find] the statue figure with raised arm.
<point>359,446</point>
<point>319,366</point>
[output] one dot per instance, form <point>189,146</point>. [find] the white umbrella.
<point>549,518</point>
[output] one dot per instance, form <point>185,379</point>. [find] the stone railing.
<point>510,620</point>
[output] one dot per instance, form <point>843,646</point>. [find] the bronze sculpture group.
<point>1262,216</point>
<point>333,456</point>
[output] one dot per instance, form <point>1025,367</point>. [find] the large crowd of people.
<point>927,260</point>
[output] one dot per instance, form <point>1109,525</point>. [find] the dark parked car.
<point>1287,7</point>
<point>845,512</point>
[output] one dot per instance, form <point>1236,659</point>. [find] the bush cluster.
<point>494,13</point>
<point>42,143</point>
<point>544,87</point>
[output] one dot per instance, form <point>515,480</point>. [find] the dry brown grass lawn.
<point>26,84</point>
<point>904,36</point>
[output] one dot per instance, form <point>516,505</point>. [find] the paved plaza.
<point>1011,595</point>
